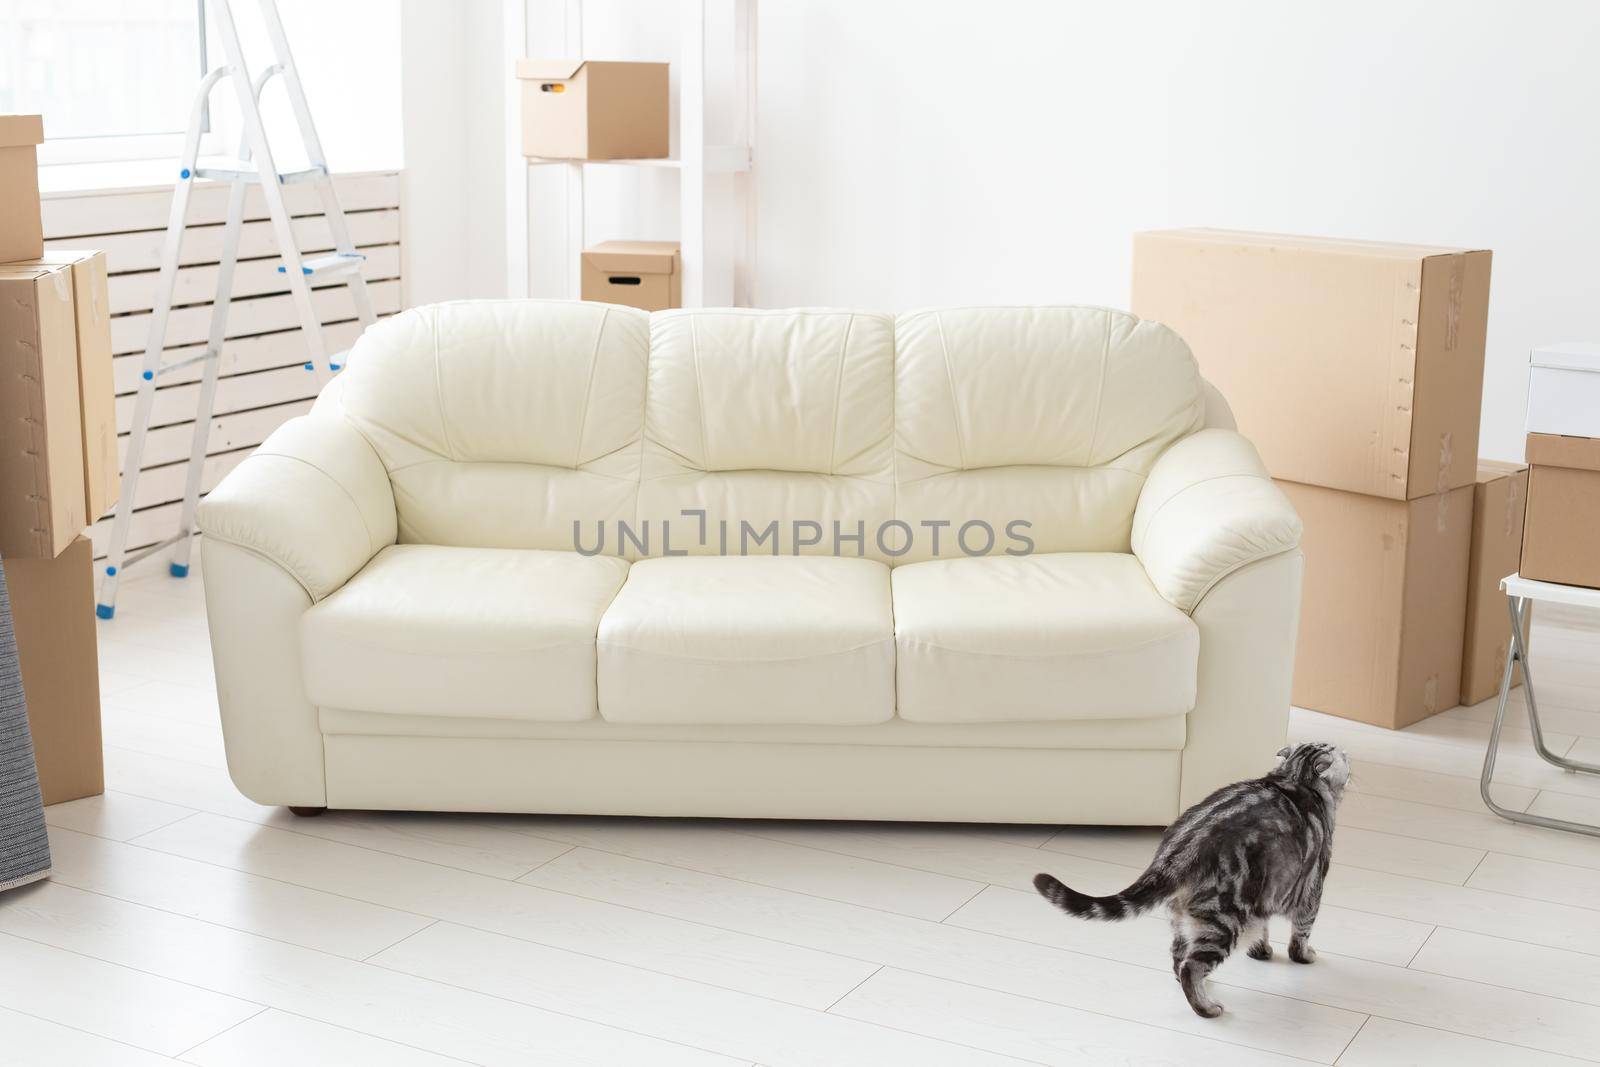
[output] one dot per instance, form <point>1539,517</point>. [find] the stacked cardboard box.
<point>1499,502</point>
<point>52,612</point>
<point>1357,369</point>
<point>21,230</point>
<point>1561,538</point>
<point>58,466</point>
<point>573,109</point>
<point>643,274</point>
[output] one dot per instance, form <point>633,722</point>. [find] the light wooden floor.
<point>186,924</point>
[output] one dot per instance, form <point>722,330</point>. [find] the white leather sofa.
<point>401,619</point>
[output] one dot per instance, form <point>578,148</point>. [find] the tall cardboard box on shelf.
<point>1384,603</point>
<point>21,229</point>
<point>43,503</point>
<point>1561,535</point>
<point>642,274</point>
<point>1353,365</point>
<point>52,612</point>
<point>1356,368</point>
<point>572,109</point>
<point>1499,502</point>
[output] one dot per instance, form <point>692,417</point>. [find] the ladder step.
<point>329,266</point>
<point>233,170</point>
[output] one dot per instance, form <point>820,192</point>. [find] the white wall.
<point>952,153</point>
<point>348,55</point>
<point>452,102</point>
<point>943,151</point>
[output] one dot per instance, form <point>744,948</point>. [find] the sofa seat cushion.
<point>431,630</point>
<point>749,639</point>
<point>1076,635</point>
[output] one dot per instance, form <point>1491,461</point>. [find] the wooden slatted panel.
<point>262,380</point>
<point>247,317</point>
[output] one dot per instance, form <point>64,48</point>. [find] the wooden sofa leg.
<point>304,812</point>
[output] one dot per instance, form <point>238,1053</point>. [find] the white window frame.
<point>117,148</point>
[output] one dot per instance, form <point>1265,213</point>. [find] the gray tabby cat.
<point>1242,855</point>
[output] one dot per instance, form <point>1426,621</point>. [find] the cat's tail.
<point>1148,890</point>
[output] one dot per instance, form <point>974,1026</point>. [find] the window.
<point>114,79</point>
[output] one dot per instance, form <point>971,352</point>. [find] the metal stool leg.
<point>1518,653</point>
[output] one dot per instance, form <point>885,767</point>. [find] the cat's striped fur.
<point>1246,853</point>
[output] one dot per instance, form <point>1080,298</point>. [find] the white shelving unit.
<point>695,161</point>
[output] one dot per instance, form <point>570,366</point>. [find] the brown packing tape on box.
<point>1561,535</point>
<point>42,497</point>
<point>1384,345</point>
<point>52,612</point>
<point>1499,500</point>
<point>21,229</point>
<point>1383,605</point>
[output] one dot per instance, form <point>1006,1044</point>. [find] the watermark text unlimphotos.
<point>892,537</point>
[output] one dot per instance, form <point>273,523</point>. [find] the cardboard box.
<point>97,393</point>
<point>42,497</point>
<point>52,612</point>
<point>1352,365</point>
<point>1499,501</point>
<point>1384,603</point>
<point>21,230</point>
<point>1564,390</point>
<point>573,109</point>
<point>1561,535</point>
<point>640,274</point>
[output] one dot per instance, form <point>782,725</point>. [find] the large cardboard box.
<point>573,109</point>
<point>96,386</point>
<point>1384,602</point>
<point>42,497</point>
<point>1499,501</point>
<point>21,231</point>
<point>1564,389</point>
<point>1352,365</point>
<point>52,612</point>
<point>641,274</point>
<point>1561,536</point>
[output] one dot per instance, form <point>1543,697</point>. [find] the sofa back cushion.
<point>504,422</point>
<point>545,424</point>
<point>775,424</point>
<point>1051,416</point>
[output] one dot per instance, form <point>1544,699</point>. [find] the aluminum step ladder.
<point>253,167</point>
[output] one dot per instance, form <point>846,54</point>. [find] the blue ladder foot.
<point>178,570</point>
<point>104,611</point>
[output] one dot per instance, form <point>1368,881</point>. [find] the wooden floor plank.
<point>1466,1007</point>
<point>337,925</point>
<point>31,1042</point>
<point>560,920</point>
<point>173,951</point>
<point>1387,1043</point>
<point>66,984</point>
<point>1108,987</point>
<point>277,1039</point>
<point>735,1024</point>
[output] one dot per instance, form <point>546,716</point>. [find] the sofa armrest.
<point>314,499</point>
<point>1207,509</point>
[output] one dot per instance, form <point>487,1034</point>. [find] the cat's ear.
<point>1283,753</point>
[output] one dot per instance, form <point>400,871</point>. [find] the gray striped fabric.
<point>24,844</point>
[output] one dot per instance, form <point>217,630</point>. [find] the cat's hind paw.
<point>1261,950</point>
